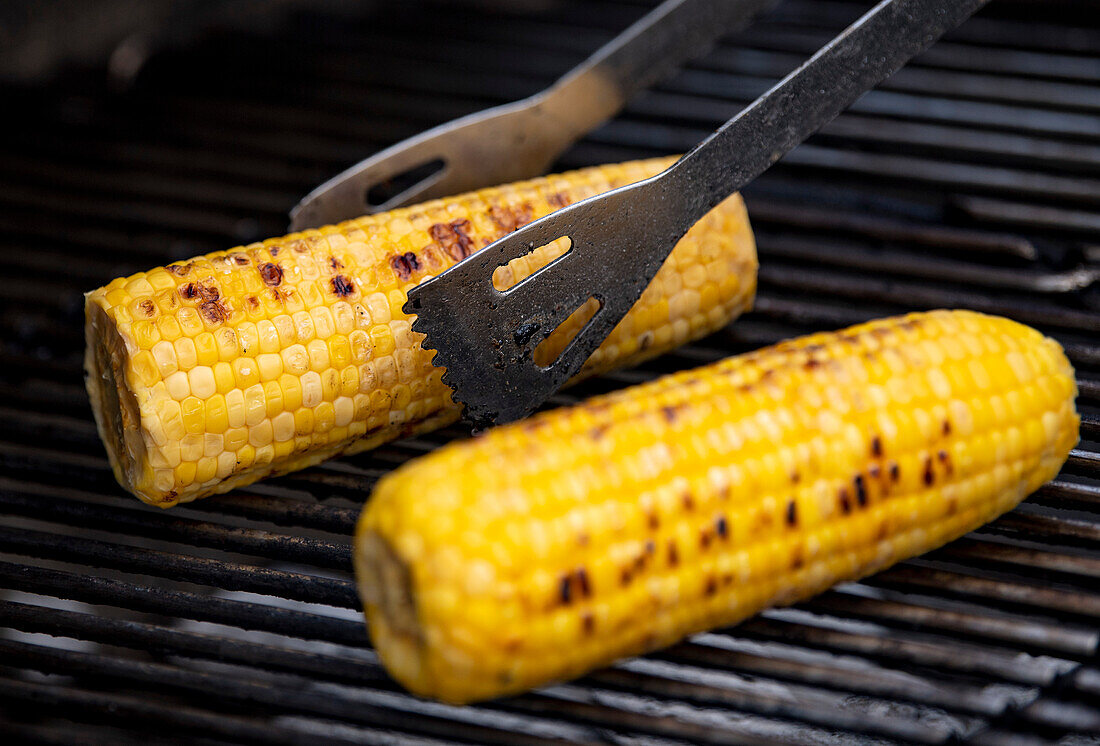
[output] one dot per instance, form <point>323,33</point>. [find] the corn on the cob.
<point>551,546</point>
<point>212,373</point>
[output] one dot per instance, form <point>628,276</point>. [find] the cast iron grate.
<point>970,179</point>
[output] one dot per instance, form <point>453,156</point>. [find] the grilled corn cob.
<point>212,373</point>
<point>554,545</point>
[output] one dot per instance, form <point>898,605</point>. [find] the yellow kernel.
<point>177,385</point>
<point>245,373</point>
<point>324,417</point>
<point>343,411</point>
<point>164,352</point>
<point>284,327</point>
<point>194,416</point>
<point>255,405</point>
<point>339,351</point>
<point>206,468</point>
<point>344,317</point>
<point>145,366</point>
<point>323,321</point>
<point>360,346</point>
<point>273,394</point>
<point>303,323</point>
<point>330,384</point>
<point>145,334</point>
<point>185,472</point>
<point>260,434</point>
<point>226,462</point>
<point>217,416</point>
<point>311,389</point>
<point>268,336</point>
<point>228,349</point>
<point>190,321</point>
<point>224,380</point>
<point>283,426</point>
<point>191,447</point>
<point>248,338</point>
<point>202,382</point>
<point>186,355</point>
<point>235,437</point>
<point>349,381</point>
<point>318,355</point>
<point>212,445</point>
<point>235,409</point>
<point>292,392</point>
<point>270,366</point>
<point>381,341</point>
<point>206,348</point>
<point>303,421</point>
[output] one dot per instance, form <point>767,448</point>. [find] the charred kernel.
<point>342,286</point>
<point>711,586</point>
<point>213,312</point>
<point>952,506</point>
<point>271,274</point>
<point>874,471</point>
<point>669,413</point>
<point>861,490</point>
<point>688,501</point>
<point>189,291</point>
<point>792,513</point>
<point>945,459</point>
<point>704,538</point>
<point>721,527</point>
<point>797,559</point>
<point>335,263</point>
<point>673,554</point>
<point>565,589</point>
<point>509,218</point>
<point>240,259</point>
<point>895,471</point>
<point>179,270</point>
<point>253,301</point>
<point>454,238</point>
<point>844,501</point>
<point>625,576</point>
<point>883,531</point>
<point>414,263</point>
<point>795,477</point>
<point>582,582</point>
<point>401,267</point>
<point>653,521</point>
<point>876,446</point>
<point>929,476</point>
<point>727,578</point>
<point>650,547</point>
<point>946,427</point>
<point>558,199</point>
<point>147,307</point>
<point>812,363</point>
<point>588,622</point>
<point>598,431</point>
<point>209,293</point>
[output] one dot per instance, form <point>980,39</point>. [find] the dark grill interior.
<point>970,179</point>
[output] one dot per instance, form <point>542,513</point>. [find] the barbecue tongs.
<point>485,338</point>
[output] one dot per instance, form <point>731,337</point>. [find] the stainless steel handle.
<point>869,51</point>
<point>652,48</point>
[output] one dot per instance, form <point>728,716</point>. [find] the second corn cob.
<point>554,545</point>
<point>212,373</point>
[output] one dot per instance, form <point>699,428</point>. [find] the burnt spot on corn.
<point>582,539</point>
<point>598,431</point>
<point>171,495</point>
<point>275,250</point>
<point>253,301</point>
<point>876,446</point>
<point>673,554</point>
<point>861,490</point>
<point>795,477</point>
<point>147,307</point>
<point>645,340</point>
<point>558,199</point>
<point>650,547</point>
<point>213,312</point>
<point>688,501</point>
<point>209,293</point>
<point>721,527</point>
<point>895,471</point>
<point>588,623</point>
<point>653,521</point>
<point>704,538</point>
<point>947,427</point>
<point>299,246</point>
<point>508,218</point>
<point>844,501</point>
<point>271,274</point>
<point>874,471</point>
<point>240,259</point>
<point>711,586</point>
<point>952,505</point>
<point>883,531</point>
<point>179,270</point>
<point>797,558</point>
<point>335,263</point>
<point>565,589</point>
<point>404,264</point>
<point>812,363</point>
<point>727,578</point>
<point>189,291</point>
<point>945,459</point>
<point>928,476</point>
<point>582,582</point>
<point>454,238</point>
<point>342,286</point>
<point>625,576</point>
<point>792,513</point>
<point>670,414</point>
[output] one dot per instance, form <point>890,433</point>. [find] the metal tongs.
<point>486,338</point>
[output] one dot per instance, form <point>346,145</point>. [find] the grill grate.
<point>969,179</point>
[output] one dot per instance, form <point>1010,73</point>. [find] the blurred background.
<point>138,133</point>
